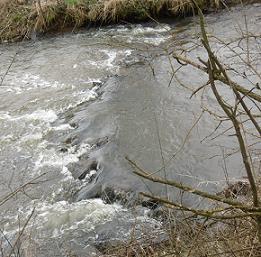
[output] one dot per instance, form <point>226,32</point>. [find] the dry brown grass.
<point>190,238</point>
<point>12,20</point>
<point>20,20</point>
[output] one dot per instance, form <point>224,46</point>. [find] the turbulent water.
<point>74,106</point>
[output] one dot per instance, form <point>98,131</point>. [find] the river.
<point>74,106</point>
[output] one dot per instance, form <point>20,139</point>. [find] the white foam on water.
<point>27,81</point>
<point>127,52</point>
<point>140,34</point>
<point>82,97</point>
<point>134,30</point>
<point>107,59</point>
<point>90,174</point>
<point>90,81</point>
<point>112,56</point>
<point>5,116</point>
<point>59,218</point>
<point>85,96</point>
<point>153,41</point>
<point>140,30</point>
<point>156,41</point>
<point>85,215</point>
<point>54,219</point>
<point>63,127</point>
<point>50,157</point>
<point>157,34</point>
<point>31,137</point>
<point>106,63</point>
<point>7,138</point>
<point>41,115</point>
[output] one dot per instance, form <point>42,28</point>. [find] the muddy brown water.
<point>74,106</point>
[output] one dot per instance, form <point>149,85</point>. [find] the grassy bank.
<point>188,238</point>
<point>20,19</point>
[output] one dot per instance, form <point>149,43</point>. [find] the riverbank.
<point>73,99</point>
<point>194,235</point>
<point>23,19</point>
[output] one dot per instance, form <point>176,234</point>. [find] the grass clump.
<point>189,235</point>
<point>192,237</point>
<point>20,19</point>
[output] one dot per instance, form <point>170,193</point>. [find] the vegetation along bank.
<point>22,19</point>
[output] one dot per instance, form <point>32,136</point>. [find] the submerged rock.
<point>108,194</point>
<point>83,168</point>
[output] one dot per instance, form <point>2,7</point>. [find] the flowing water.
<point>74,106</point>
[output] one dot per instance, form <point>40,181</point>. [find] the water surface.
<point>103,95</point>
